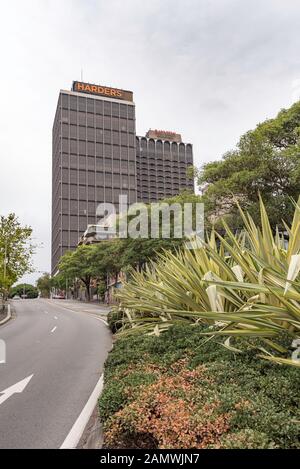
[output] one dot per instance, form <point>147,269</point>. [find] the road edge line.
<point>82,312</point>
<point>72,439</point>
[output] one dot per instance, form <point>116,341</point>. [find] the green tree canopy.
<point>137,251</point>
<point>79,264</point>
<point>15,251</point>
<point>266,161</point>
<point>24,289</point>
<point>44,285</point>
<point>109,257</point>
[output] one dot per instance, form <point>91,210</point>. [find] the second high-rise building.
<point>96,156</point>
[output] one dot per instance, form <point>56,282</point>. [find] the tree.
<point>79,264</point>
<point>15,252</point>
<point>108,257</point>
<point>266,161</point>
<point>137,251</point>
<point>30,291</point>
<point>44,285</point>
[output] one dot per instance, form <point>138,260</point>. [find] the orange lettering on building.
<point>95,89</point>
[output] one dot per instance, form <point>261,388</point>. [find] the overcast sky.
<point>210,70</point>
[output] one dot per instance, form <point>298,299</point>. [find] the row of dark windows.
<point>91,159</point>
<point>155,196</point>
<point>160,166</point>
<point>100,164</point>
<point>155,187</point>
<point>105,173</point>
<point>98,178</point>
<point>169,159</point>
<point>81,192</point>
<point>96,106</point>
<point>154,184</point>
<point>73,119</point>
<point>101,137</point>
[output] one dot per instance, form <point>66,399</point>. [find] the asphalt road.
<point>64,347</point>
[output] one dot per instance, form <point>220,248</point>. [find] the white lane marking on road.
<point>82,311</point>
<point>55,317</point>
<point>99,319</point>
<point>54,328</point>
<point>76,431</point>
<point>103,320</point>
<point>15,388</point>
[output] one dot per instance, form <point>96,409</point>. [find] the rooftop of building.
<point>164,135</point>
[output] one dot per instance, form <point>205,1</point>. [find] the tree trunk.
<point>88,292</point>
<point>87,282</point>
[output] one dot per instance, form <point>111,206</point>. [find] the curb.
<point>92,437</point>
<point>76,432</point>
<point>8,317</point>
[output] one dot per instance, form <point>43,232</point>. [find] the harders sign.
<point>102,91</point>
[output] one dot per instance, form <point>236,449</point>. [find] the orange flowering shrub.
<point>167,413</point>
<point>170,392</point>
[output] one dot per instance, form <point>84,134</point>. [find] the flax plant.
<point>244,284</point>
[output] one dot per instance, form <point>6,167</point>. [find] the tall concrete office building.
<point>94,159</point>
<point>96,156</point>
<point>162,163</point>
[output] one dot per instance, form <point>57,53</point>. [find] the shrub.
<point>115,320</point>
<point>245,284</point>
<point>179,390</point>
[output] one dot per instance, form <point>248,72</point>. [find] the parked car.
<point>58,297</point>
<point>16,297</point>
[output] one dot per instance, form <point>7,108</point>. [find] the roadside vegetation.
<point>179,390</point>
<point>207,349</point>
<point>24,290</point>
<point>96,263</point>
<point>266,161</point>
<point>44,285</point>
<point>245,284</point>
<point>16,252</point>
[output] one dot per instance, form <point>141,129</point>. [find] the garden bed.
<point>174,391</point>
